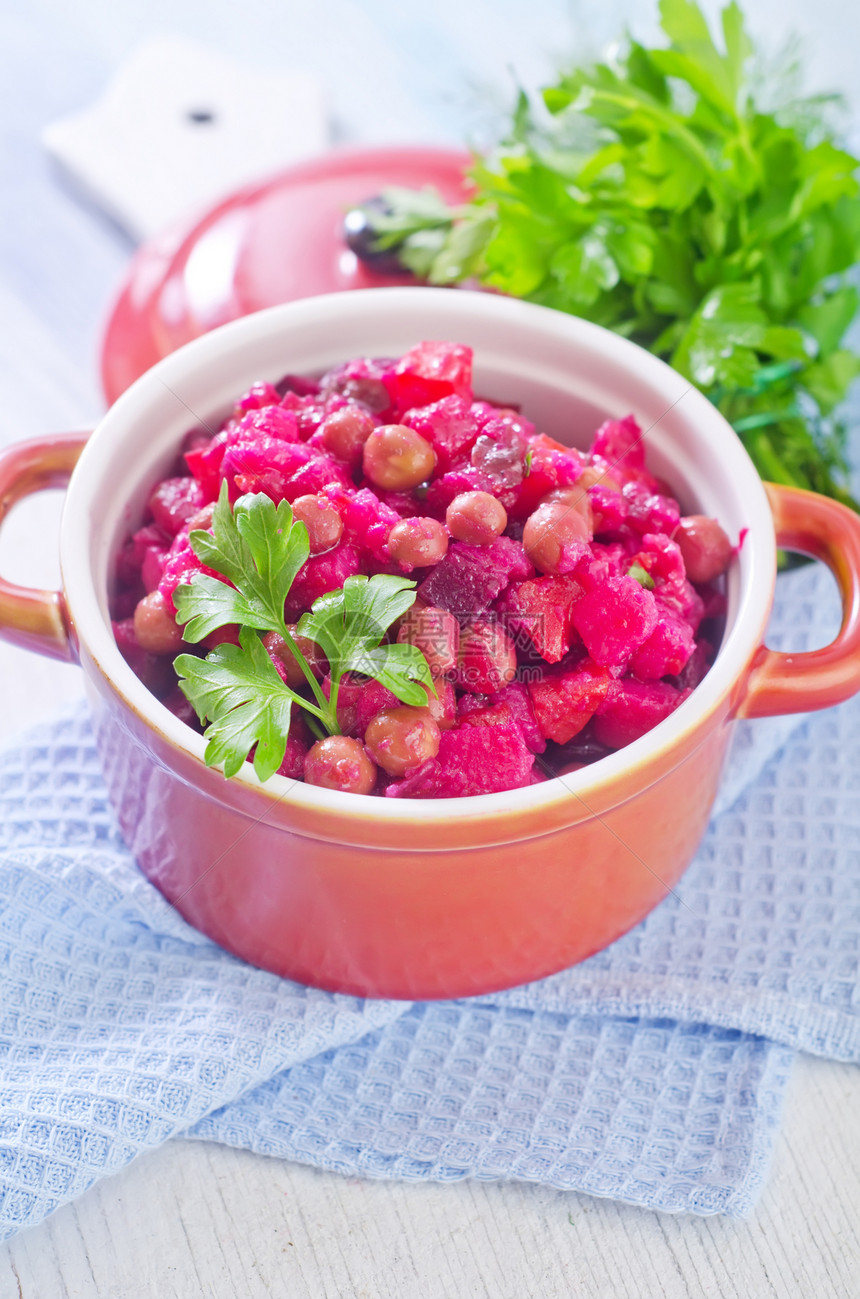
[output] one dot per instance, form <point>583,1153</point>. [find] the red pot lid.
<point>271,242</point>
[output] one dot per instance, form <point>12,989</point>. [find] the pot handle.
<point>796,683</point>
<point>34,619</point>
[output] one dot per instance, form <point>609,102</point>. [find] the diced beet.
<point>314,476</point>
<point>486,713</point>
<point>543,442</point>
<point>541,609</point>
<point>565,701</point>
<point>485,413</point>
<point>619,474</point>
<point>550,466</point>
<point>538,480</point>
<point>469,578</point>
<point>500,452</point>
<point>435,632</point>
<point>299,740</point>
<point>283,470</point>
<point>367,520</point>
<point>149,535</point>
<point>373,698</point>
<point>293,765</point>
<point>632,708</point>
<point>125,637</point>
<point>404,504</point>
<point>607,560</point>
<point>511,705</point>
<point>697,666</point>
<point>270,421</point>
<point>205,464</point>
<point>309,413</point>
<point>299,384</point>
<point>319,574</point>
<point>429,372</point>
<point>180,564</point>
<point>130,559</point>
<point>449,426</point>
<point>684,600</point>
<point>546,470</point>
<point>174,502</point>
<point>360,381</point>
<point>621,443</point>
<point>514,558</point>
<point>442,490</point>
<point>486,660</point>
<point>258,395</point>
<point>608,508</point>
<point>614,618</point>
<point>666,650</point>
<point>714,602</point>
<point>152,567</point>
<point>661,557</point>
<point>470,704</point>
<point>299,729</point>
<point>471,760</point>
<point>194,438</point>
<point>647,511</point>
<point>426,773</point>
<point>266,465</point>
<point>516,697</point>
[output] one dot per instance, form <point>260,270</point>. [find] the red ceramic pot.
<point>408,898</point>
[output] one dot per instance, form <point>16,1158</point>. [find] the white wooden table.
<point>193,1219</point>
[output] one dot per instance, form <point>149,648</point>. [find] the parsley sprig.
<point>258,549</point>
<point>664,197</point>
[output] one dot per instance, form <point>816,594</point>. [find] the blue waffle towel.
<point>652,1073</point>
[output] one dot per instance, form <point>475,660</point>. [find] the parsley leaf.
<point>259,548</point>
<point>238,690</point>
<point>349,624</point>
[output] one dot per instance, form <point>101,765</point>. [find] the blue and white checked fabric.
<point>652,1073</point>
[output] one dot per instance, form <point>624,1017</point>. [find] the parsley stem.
<point>306,704</point>
<point>305,667</point>
<point>315,729</point>
<point>327,710</point>
<point>332,702</point>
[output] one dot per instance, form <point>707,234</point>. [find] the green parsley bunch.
<point>662,202</point>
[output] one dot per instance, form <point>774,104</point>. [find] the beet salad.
<point>376,582</point>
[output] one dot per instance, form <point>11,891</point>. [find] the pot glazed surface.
<point>438,898</point>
